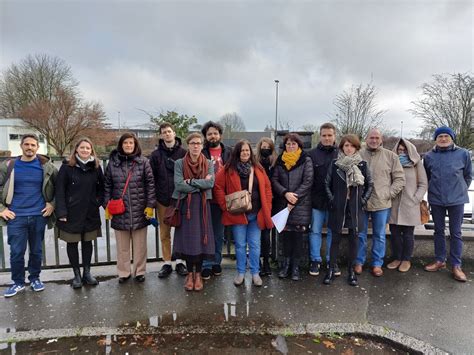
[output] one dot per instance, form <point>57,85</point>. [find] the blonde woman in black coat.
<point>79,194</point>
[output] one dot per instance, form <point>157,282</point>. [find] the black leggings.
<point>73,253</point>
<point>193,265</point>
<point>292,244</point>
<point>352,247</point>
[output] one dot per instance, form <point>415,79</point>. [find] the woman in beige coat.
<point>405,213</point>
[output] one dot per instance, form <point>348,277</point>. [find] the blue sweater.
<point>28,197</point>
<point>449,173</point>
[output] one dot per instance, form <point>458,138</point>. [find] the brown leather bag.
<point>424,212</point>
<point>240,201</point>
<point>173,214</point>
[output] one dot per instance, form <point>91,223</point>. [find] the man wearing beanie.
<point>449,172</point>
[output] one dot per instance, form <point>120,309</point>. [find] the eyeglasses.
<point>195,143</point>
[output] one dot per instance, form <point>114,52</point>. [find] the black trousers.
<point>265,243</point>
<point>403,241</point>
<point>353,241</point>
<point>292,244</point>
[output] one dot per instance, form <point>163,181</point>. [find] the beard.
<point>214,144</point>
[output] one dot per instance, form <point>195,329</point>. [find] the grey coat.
<point>406,205</point>
<point>181,189</point>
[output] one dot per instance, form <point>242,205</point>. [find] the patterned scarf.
<point>290,159</point>
<point>244,169</point>
<point>348,164</point>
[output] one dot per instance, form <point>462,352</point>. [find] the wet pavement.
<point>430,307</point>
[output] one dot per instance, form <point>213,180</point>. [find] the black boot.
<point>295,270</point>
<point>352,277</point>
<point>87,278</point>
<point>285,269</point>
<point>330,276</point>
<point>265,268</point>
<point>76,281</point>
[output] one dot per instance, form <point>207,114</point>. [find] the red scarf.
<point>197,170</point>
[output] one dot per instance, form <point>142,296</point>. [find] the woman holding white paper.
<point>291,182</point>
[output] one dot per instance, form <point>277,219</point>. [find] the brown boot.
<point>458,274</point>
<point>198,285</point>
<point>435,266</point>
<point>189,282</point>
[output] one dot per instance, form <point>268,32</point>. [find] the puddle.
<point>204,343</point>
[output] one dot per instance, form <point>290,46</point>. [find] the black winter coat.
<point>336,190</point>
<point>162,164</point>
<point>322,157</point>
<point>299,180</point>
<point>140,192</point>
<point>79,194</point>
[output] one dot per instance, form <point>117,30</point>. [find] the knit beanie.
<point>444,129</point>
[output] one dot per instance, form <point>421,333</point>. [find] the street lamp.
<point>276,108</point>
<point>401,129</point>
<point>118,113</point>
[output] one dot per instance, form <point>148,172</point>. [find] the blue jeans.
<point>315,237</point>
<point>22,231</point>
<point>247,234</point>
<point>455,214</point>
<point>218,228</point>
<point>379,221</point>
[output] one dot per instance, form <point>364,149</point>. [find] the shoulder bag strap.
<point>251,180</point>
<point>128,179</point>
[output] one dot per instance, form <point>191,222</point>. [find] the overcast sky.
<point>207,58</point>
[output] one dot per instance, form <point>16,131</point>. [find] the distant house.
<point>252,137</point>
<point>11,132</point>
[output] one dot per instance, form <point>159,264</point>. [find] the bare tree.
<point>232,122</point>
<point>42,91</point>
<point>447,101</point>
<point>356,110</point>
<point>36,78</point>
<point>63,119</point>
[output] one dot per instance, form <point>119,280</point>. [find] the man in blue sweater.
<point>449,172</point>
<point>26,205</point>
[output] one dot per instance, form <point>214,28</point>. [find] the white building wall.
<point>11,131</point>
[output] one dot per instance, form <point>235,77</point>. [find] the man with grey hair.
<point>389,180</point>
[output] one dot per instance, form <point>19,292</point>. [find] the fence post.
<point>2,249</point>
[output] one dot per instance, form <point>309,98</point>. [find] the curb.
<point>366,330</point>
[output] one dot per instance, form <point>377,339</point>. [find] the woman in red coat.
<point>241,171</point>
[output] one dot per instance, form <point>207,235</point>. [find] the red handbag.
<point>117,206</point>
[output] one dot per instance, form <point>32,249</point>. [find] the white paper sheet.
<point>280,219</point>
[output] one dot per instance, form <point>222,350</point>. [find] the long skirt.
<point>189,243</point>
